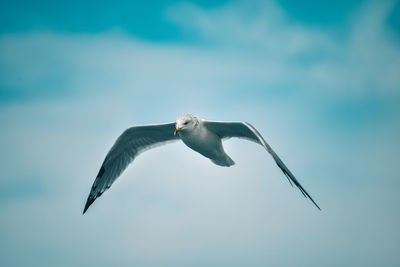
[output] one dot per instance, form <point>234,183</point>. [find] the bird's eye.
<point>186,123</point>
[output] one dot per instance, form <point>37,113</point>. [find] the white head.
<point>186,122</point>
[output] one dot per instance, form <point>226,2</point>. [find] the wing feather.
<point>129,145</point>
<point>245,130</point>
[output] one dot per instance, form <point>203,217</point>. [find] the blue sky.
<point>319,80</point>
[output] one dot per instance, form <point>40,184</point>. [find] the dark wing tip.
<point>92,196</point>
<point>316,204</point>
<point>312,200</point>
<point>305,194</point>
<point>288,178</point>
<point>291,179</point>
<point>89,202</point>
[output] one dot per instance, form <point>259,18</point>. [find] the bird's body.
<point>203,136</point>
<point>207,143</point>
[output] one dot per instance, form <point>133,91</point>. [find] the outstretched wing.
<point>245,130</point>
<point>129,144</point>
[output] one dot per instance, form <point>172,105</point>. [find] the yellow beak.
<point>177,130</point>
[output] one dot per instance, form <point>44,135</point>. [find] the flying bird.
<point>203,136</point>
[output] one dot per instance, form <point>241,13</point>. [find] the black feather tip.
<point>92,197</point>
<point>89,202</point>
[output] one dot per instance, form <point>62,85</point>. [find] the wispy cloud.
<point>363,60</point>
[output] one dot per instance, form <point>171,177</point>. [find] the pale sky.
<point>319,81</point>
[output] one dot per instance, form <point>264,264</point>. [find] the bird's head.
<point>185,122</point>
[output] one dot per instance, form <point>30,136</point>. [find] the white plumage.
<point>203,136</point>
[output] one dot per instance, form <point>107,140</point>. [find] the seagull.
<point>203,136</point>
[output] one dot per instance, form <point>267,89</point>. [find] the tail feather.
<point>225,161</point>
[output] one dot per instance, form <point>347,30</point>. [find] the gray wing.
<point>129,144</point>
<point>245,130</point>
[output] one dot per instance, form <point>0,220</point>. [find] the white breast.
<point>201,140</point>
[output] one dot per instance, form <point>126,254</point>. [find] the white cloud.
<point>364,61</point>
